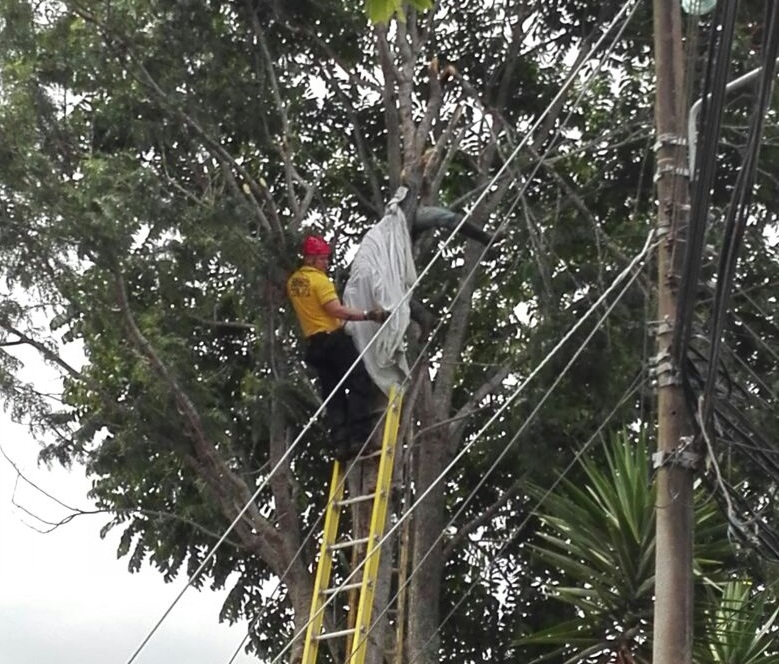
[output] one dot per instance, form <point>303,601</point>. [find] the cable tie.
<point>669,139</point>
<point>658,327</point>
<point>664,169</point>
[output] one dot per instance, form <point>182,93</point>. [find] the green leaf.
<point>381,11</point>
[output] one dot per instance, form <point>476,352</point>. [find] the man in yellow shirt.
<point>330,350</point>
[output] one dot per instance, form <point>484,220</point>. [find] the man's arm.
<point>337,310</point>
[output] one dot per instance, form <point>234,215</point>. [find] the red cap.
<point>316,245</point>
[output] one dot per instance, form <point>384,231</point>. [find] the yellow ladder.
<point>381,498</point>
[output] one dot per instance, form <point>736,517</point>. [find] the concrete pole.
<point>673,560</point>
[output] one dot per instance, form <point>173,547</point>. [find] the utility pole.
<point>673,558</point>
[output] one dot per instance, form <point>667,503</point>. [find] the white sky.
<point>64,596</point>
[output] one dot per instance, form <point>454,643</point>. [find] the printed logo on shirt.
<point>299,286</point>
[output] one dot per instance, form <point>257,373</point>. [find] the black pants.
<point>348,413</point>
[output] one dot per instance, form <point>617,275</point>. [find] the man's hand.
<point>377,315</point>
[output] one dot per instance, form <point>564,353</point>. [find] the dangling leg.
<point>317,356</point>
<point>360,420</point>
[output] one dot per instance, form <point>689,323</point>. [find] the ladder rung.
<point>356,499</point>
<point>334,635</point>
<point>348,543</point>
<point>346,586</point>
<point>369,455</point>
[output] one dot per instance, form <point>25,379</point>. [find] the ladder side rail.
<point>324,566</point>
<point>378,520</point>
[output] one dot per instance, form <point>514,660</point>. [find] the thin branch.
<point>230,324</point>
<point>271,224</point>
<point>292,176</point>
<point>76,511</point>
<point>369,165</point>
<point>405,79</point>
<point>482,392</point>
<point>47,353</point>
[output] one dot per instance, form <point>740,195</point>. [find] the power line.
<point>497,232</point>
<point>534,511</point>
<point>552,353</point>
<point>526,422</point>
<point>563,90</point>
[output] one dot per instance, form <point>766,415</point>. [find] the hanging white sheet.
<point>382,272</point>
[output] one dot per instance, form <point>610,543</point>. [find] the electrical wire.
<point>497,232</point>
<point>419,359</point>
<point>639,258</point>
<point>563,90</point>
<point>737,214</point>
<point>635,386</point>
<point>718,66</point>
<point>526,422</point>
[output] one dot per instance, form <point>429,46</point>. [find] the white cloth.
<point>381,274</point>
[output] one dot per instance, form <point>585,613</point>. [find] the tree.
<point>159,162</point>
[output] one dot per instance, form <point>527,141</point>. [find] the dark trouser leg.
<point>359,384</point>
<point>317,355</point>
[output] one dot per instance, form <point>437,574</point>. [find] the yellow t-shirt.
<point>309,289</point>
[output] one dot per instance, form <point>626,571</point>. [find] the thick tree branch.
<point>456,333</point>
<point>435,100</point>
<point>391,113</point>
<point>232,492</point>
<point>440,157</point>
<point>411,150</point>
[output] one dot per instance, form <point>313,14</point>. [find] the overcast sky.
<point>66,599</point>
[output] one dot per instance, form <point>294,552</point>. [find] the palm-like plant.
<point>597,548</point>
<point>739,629</point>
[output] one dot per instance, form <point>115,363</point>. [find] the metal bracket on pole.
<point>681,456</point>
<point>695,109</point>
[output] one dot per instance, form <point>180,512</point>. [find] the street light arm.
<point>695,109</point>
